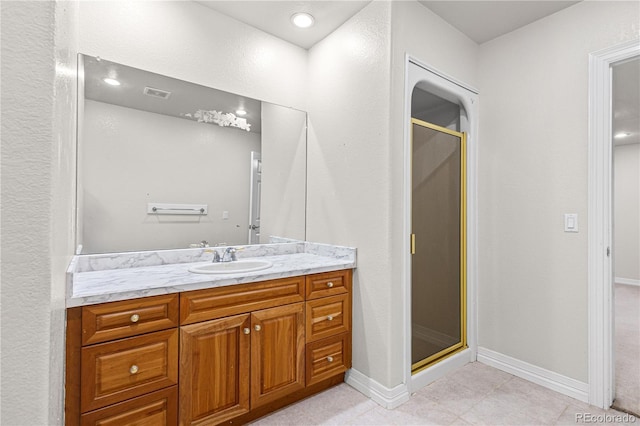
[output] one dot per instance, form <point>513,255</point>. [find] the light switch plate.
<point>570,222</point>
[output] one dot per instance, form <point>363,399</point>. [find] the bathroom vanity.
<point>221,349</point>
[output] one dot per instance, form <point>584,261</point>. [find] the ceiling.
<point>479,20</point>
<point>482,21</point>
<point>273,17</point>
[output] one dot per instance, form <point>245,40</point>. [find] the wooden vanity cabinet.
<point>226,355</point>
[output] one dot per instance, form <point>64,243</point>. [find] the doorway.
<point>600,221</point>
<point>438,271</point>
<point>626,233</point>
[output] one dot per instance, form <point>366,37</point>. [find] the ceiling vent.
<point>157,93</point>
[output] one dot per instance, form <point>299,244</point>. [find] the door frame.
<point>466,96</point>
<point>600,221</point>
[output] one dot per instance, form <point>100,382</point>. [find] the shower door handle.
<point>413,243</point>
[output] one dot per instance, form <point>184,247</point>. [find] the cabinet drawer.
<point>126,368</point>
<point>328,357</point>
<point>115,320</point>
<point>328,284</point>
<point>155,409</point>
<point>327,317</point>
<point>204,305</point>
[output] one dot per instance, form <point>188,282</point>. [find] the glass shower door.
<point>438,268</point>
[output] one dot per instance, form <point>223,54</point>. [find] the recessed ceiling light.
<point>241,112</point>
<point>111,81</point>
<point>622,135</point>
<point>302,20</point>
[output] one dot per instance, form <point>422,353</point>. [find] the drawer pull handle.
<point>330,284</point>
<point>329,359</point>
<point>257,327</point>
<point>329,318</point>
<point>246,330</point>
<point>133,369</point>
<point>135,318</point>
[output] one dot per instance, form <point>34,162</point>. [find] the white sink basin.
<point>234,267</point>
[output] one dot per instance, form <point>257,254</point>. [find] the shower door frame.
<point>446,87</point>
<point>419,366</point>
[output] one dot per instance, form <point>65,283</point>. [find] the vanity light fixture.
<point>622,135</point>
<point>302,20</point>
<point>111,81</point>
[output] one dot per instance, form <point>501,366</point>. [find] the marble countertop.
<point>86,287</point>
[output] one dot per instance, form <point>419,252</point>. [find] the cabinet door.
<point>214,370</point>
<point>277,353</point>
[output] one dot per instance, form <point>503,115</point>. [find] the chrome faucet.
<point>228,255</point>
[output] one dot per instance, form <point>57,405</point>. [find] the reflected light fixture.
<point>241,112</point>
<point>622,135</point>
<point>302,20</point>
<point>111,81</point>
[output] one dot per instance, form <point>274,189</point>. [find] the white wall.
<point>348,188</point>
<point>626,181</point>
<point>532,169</point>
<point>161,159</point>
<point>355,168</point>
<point>38,89</point>
<point>422,34</point>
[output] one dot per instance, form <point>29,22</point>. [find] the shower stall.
<point>438,268</point>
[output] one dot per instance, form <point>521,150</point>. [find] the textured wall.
<point>626,197</point>
<point>533,168</point>
<point>355,171</point>
<point>38,89</point>
<point>348,172</point>
<point>424,35</point>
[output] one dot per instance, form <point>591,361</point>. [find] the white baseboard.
<point>543,377</point>
<point>388,398</point>
<point>627,281</point>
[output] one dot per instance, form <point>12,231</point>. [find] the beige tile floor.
<point>476,394</point>
<point>627,348</point>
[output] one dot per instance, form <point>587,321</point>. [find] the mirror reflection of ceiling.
<point>626,102</point>
<point>184,98</point>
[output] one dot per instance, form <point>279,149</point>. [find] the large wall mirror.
<point>167,164</point>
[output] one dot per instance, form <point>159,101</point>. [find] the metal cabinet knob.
<point>330,284</point>
<point>135,318</point>
<point>246,330</point>
<point>257,327</point>
<point>329,318</point>
<point>133,369</point>
<point>329,359</point>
